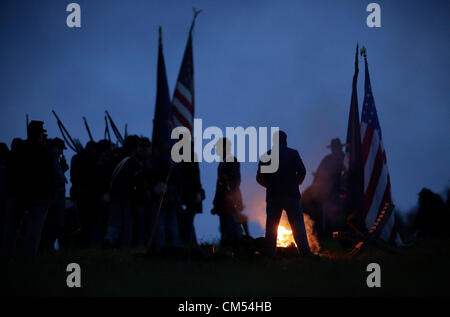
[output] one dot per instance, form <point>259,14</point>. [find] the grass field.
<point>421,270</point>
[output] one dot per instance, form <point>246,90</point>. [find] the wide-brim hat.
<point>335,143</point>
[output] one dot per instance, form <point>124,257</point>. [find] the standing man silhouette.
<point>283,194</point>
<point>228,199</point>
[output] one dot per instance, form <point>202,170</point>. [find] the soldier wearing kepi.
<point>30,184</point>
<point>228,199</point>
<point>283,193</point>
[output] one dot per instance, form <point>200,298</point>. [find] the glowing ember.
<point>284,237</point>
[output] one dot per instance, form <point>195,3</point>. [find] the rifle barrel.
<point>87,128</point>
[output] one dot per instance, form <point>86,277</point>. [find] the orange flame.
<point>285,238</point>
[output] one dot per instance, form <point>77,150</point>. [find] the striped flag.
<point>183,102</point>
<point>353,166</point>
<point>377,184</point>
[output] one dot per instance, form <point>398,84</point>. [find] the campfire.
<point>285,238</point>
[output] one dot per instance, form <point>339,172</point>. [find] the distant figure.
<point>432,219</point>
<point>227,201</point>
<point>283,194</point>
<point>192,198</point>
<point>322,199</point>
<point>30,182</point>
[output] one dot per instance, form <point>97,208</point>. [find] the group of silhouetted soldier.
<point>122,195</point>
<point>134,195</point>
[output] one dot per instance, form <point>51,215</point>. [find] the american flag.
<point>183,103</point>
<point>377,184</point>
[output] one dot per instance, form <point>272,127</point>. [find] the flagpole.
<point>355,76</point>
<point>196,12</point>
<point>156,141</point>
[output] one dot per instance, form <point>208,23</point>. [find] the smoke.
<point>312,236</point>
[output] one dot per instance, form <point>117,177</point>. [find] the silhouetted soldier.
<point>227,201</point>
<point>55,219</point>
<point>447,205</point>
<point>143,194</point>
<point>283,194</point>
<point>431,219</point>
<point>166,234</point>
<point>193,195</point>
<point>4,157</point>
<point>327,188</point>
<point>15,143</point>
<point>85,190</point>
<point>124,182</point>
<point>105,166</point>
<point>30,185</point>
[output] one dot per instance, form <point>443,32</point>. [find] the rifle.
<point>27,121</point>
<point>87,129</point>
<point>107,135</point>
<point>73,145</point>
<point>114,128</point>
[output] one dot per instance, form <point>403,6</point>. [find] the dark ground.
<point>420,270</point>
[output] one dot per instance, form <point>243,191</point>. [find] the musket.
<point>72,145</point>
<point>114,128</point>
<point>87,129</point>
<point>107,135</point>
<point>126,131</point>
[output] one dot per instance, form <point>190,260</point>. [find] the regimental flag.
<point>353,163</point>
<point>163,119</point>
<point>377,184</point>
<point>183,102</point>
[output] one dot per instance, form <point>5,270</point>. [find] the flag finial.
<point>196,12</point>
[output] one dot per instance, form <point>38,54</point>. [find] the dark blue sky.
<point>257,63</point>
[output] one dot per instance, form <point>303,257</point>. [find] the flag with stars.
<point>353,166</point>
<point>377,184</point>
